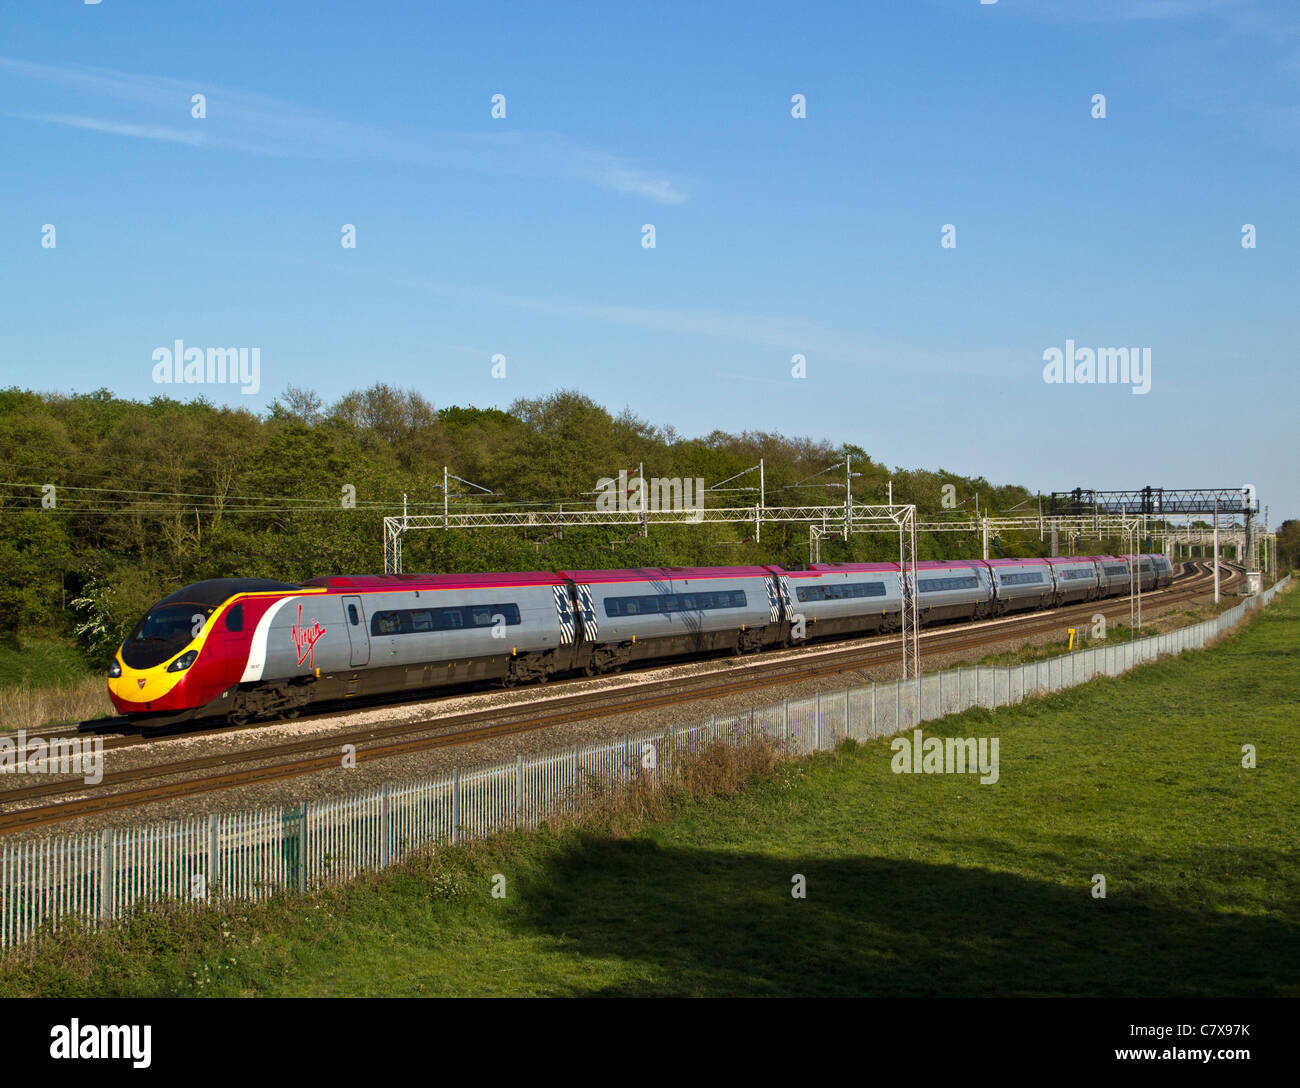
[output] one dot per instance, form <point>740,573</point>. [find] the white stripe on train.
<point>257,651</point>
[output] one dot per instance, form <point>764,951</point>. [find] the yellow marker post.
<point>1071,630</point>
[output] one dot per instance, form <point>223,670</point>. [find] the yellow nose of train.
<point>138,691</point>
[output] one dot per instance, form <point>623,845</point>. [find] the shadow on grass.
<point>703,922</point>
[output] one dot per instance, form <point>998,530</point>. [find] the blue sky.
<point>775,236</point>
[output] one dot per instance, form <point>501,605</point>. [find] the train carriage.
<point>842,598</point>
<point>415,631</point>
<point>636,614</point>
<point>1113,573</point>
<point>1076,578</point>
<point>1164,570</point>
<point>953,589</point>
<point>1145,570</point>
<point>254,647</point>
<point>1021,584</point>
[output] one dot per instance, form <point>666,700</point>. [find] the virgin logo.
<point>305,639</point>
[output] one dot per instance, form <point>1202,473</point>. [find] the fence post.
<point>785,721</point>
<point>846,712</point>
<point>817,724</point>
<point>305,808</point>
<point>519,791</point>
<point>455,806</point>
<point>385,825</point>
<point>106,875</point>
<point>873,708</point>
<point>214,855</point>
<point>898,703</point>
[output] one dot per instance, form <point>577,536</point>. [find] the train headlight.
<point>114,669</point>
<point>183,662</point>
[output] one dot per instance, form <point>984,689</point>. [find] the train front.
<point>188,651</point>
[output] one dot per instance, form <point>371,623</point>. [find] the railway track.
<point>65,799</point>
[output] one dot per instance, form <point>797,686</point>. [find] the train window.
<point>386,623</point>
<point>840,591</point>
<point>425,620</point>
<point>652,603</point>
<point>1022,579</point>
<point>936,585</point>
<point>235,618</point>
<point>352,615</point>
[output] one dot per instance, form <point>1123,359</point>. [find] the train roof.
<point>360,583</point>
<point>661,574</point>
<point>215,591</point>
<point>827,567</point>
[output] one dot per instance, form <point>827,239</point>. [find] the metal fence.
<point>95,878</point>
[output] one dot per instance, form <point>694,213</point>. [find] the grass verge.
<point>43,682</point>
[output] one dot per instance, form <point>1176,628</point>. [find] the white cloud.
<point>116,128</point>
<point>258,124</point>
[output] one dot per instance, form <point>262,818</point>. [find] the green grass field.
<point>916,884</point>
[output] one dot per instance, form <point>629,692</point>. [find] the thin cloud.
<point>116,128</point>
<point>258,124</point>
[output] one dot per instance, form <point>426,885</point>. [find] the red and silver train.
<point>241,648</point>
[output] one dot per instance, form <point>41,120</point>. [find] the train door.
<point>358,636</point>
